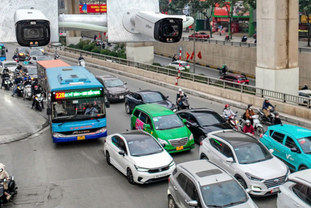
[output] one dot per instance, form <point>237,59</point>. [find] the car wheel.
<point>127,108</point>
<point>259,130</point>
<point>302,168</point>
<point>203,157</point>
<point>108,158</point>
<point>171,202</point>
<point>130,176</point>
<point>242,182</point>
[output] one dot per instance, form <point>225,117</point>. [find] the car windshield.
<point>42,58</point>
<point>113,83</point>
<point>251,152</point>
<point>305,144</point>
<point>184,63</point>
<point>22,50</point>
<point>144,146</point>
<point>32,70</point>
<point>209,119</point>
<point>167,122</point>
<point>227,193</point>
<point>152,97</point>
<point>10,65</point>
<point>242,78</point>
<point>35,53</point>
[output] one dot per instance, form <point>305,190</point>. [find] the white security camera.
<point>161,27</point>
<point>32,27</point>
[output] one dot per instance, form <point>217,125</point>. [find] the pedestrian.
<point>220,29</point>
<point>95,37</point>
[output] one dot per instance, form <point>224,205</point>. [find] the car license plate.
<point>81,138</point>
<point>275,190</point>
<point>179,148</point>
<point>161,175</point>
<point>121,97</point>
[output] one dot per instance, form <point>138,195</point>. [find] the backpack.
<point>244,116</point>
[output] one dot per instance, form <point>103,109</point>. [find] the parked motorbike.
<point>56,56</point>
<point>264,119</point>
<point>256,124</point>
<point>81,62</point>
<point>232,120</point>
<point>7,83</point>
<point>20,89</point>
<point>27,92</point>
<point>244,39</point>
<point>184,104</point>
<point>12,190</point>
<point>38,101</point>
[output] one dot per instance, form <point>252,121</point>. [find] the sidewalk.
<point>17,119</point>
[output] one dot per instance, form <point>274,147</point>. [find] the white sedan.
<point>183,65</point>
<point>139,156</point>
<point>11,65</point>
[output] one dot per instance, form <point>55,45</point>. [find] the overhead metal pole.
<point>194,37</point>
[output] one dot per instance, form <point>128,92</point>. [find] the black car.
<point>144,97</point>
<point>33,52</point>
<point>115,89</point>
<point>202,121</point>
<point>20,51</point>
<point>31,70</point>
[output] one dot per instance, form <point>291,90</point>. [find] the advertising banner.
<point>93,8</point>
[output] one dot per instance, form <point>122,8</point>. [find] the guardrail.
<point>286,98</point>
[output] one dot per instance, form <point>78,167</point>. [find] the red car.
<point>238,78</point>
<point>201,35</point>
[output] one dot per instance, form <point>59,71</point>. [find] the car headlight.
<point>58,135</point>
<point>162,141</point>
<point>171,164</point>
<point>140,169</point>
<point>191,137</point>
<point>253,178</point>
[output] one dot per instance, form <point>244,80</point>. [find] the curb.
<point>284,117</point>
<point>209,66</point>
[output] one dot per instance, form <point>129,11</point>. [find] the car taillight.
<point>261,136</point>
<point>239,81</point>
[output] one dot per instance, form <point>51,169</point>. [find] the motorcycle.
<point>244,39</point>
<point>222,72</point>
<point>232,121</point>
<point>27,92</point>
<point>12,190</point>
<point>184,103</point>
<point>256,124</point>
<point>264,119</point>
<point>7,83</point>
<point>38,101</point>
<point>56,56</point>
<point>81,62</point>
<point>20,89</point>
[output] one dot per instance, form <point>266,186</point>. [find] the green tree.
<point>164,5</point>
<point>305,9</point>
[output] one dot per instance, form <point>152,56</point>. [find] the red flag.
<point>187,56</point>
<point>200,55</point>
<point>99,37</point>
<point>192,55</point>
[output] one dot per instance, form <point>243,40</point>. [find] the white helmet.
<point>180,90</point>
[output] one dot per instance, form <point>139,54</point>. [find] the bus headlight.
<point>102,130</point>
<point>58,135</point>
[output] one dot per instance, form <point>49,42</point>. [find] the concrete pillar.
<point>142,52</point>
<point>277,46</point>
<point>72,7</point>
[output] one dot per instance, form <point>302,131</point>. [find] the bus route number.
<point>60,95</point>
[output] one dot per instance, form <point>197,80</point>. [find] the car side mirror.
<point>146,126</point>
<point>185,121</point>
<point>163,145</point>
<point>167,96</point>
<point>271,150</point>
<point>193,203</point>
<point>48,111</point>
<point>6,50</point>
<point>294,149</point>
<point>122,153</point>
<point>248,190</point>
<point>125,83</point>
<point>229,160</point>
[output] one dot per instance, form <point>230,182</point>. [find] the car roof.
<point>305,91</point>
<point>205,172</point>
<point>297,131</point>
<point>235,75</point>
<point>105,77</point>
<point>147,91</point>
<point>134,135</point>
<point>302,177</point>
<point>234,137</point>
<point>197,110</point>
<point>6,62</point>
<point>155,109</point>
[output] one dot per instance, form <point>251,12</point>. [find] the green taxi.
<point>164,125</point>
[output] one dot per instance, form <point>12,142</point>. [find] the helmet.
<point>180,90</point>
<point>227,105</point>
<point>247,121</point>
<point>276,113</point>
<point>249,105</point>
<point>27,74</point>
<point>36,86</point>
<point>266,99</point>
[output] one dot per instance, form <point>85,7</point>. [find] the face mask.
<point>276,116</point>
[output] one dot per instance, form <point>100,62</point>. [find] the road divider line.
<point>89,157</point>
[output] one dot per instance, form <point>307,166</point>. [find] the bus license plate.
<point>81,138</point>
<point>179,148</point>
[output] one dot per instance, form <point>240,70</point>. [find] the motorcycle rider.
<point>15,56</point>
<point>3,76</point>
<point>174,58</point>
<point>56,55</point>
<point>276,120</point>
<point>36,91</point>
<point>248,128</point>
<point>179,97</point>
<point>17,80</point>
<point>224,69</point>
<point>27,79</point>
<point>249,113</point>
<point>4,175</point>
<point>6,70</point>
<point>305,87</point>
<point>227,112</point>
<point>266,108</point>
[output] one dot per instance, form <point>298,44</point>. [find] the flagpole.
<point>194,37</point>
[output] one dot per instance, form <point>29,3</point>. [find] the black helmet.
<point>249,105</point>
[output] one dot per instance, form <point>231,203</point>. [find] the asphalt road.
<point>76,174</point>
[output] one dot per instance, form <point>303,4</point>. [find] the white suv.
<point>244,157</point>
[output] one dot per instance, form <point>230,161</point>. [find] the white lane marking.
<point>89,157</point>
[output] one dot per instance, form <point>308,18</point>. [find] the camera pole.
<point>194,37</point>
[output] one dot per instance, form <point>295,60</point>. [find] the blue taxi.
<point>291,144</point>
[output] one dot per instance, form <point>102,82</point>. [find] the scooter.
<point>264,119</point>
<point>12,190</point>
<point>27,92</point>
<point>56,56</point>
<point>7,83</point>
<point>244,39</point>
<point>232,120</point>
<point>38,101</point>
<point>256,124</point>
<point>20,89</point>
<point>184,103</point>
<point>81,63</point>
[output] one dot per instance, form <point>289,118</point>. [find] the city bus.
<point>76,104</point>
<point>3,52</point>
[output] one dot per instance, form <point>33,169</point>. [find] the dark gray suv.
<point>202,184</point>
<point>115,89</point>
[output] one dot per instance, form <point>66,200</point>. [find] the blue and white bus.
<point>75,101</point>
<point>3,52</point>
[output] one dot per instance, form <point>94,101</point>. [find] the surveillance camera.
<point>32,27</point>
<point>163,28</point>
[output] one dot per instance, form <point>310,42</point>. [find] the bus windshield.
<point>78,109</point>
